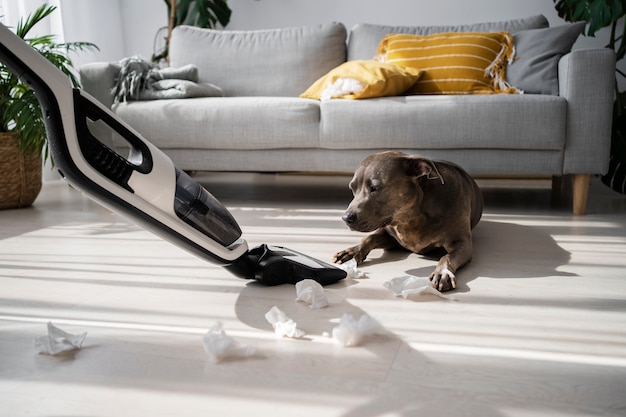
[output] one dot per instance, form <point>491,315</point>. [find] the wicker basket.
<point>20,174</point>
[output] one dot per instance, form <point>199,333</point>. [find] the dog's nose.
<point>349,217</point>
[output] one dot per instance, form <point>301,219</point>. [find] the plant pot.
<point>20,174</point>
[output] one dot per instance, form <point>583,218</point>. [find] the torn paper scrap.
<point>57,341</point>
<point>351,269</point>
<point>341,87</point>
<point>283,325</point>
<point>411,285</point>
<point>220,346</point>
<point>312,293</point>
<point>352,332</point>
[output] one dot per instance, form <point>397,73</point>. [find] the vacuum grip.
<point>104,159</point>
<point>140,157</point>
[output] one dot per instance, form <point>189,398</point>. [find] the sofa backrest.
<point>276,62</point>
<point>364,38</point>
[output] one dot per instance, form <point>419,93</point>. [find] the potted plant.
<point>23,142</point>
<point>200,13</point>
<point>599,14</point>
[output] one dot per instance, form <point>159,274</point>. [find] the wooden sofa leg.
<point>580,184</point>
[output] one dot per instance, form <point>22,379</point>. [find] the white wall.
<point>259,14</point>
<point>277,13</point>
<point>120,28</point>
<point>140,19</point>
<point>93,21</point>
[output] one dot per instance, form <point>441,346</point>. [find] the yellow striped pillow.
<point>454,62</point>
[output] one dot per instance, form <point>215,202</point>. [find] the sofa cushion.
<point>537,59</point>
<point>276,62</point>
<point>363,79</point>
<point>501,121</point>
<point>225,123</point>
<point>364,38</point>
<point>453,62</point>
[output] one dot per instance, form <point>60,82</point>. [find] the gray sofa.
<point>560,125</point>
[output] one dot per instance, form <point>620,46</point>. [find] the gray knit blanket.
<point>142,80</point>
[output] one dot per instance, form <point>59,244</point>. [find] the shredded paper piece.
<point>311,292</point>
<point>352,332</point>
<point>409,285</point>
<point>57,341</point>
<point>283,325</point>
<point>341,87</point>
<point>351,269</point>
<point>220,346</point>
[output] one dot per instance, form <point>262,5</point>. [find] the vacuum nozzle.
<point>275,265</point>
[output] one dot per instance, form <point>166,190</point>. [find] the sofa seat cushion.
<point>225,122</point>
<point>275,62</point>
<point>500,121</point>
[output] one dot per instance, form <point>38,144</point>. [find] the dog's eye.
<point>374,188</point>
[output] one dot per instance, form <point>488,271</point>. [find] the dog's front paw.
<point>443,279</point>
<point>349,253</point>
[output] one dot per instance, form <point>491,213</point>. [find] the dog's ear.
<point>422,167</point>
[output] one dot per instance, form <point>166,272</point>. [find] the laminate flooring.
<point>538,327</point>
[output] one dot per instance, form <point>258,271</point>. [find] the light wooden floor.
<point>539,328</point>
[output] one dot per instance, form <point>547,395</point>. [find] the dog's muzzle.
<point>349,218</point>
<point>358,224</point>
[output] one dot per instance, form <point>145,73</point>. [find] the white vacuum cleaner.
<point>145,185</point>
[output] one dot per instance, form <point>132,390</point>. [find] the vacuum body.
<point>144,185</point>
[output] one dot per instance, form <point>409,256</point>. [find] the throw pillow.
<point>538,51</point>
<point>363,79</point>
<point>365,37</point>
<point>453,62</point>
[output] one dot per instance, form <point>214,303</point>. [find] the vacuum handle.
<point>104,159</point>
<point>142,185</point>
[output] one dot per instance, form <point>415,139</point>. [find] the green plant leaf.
<point>19,107</point>
<point>598,13</point>
<point>221,11</point>
<point>202,13</point>
<point>25,26</point>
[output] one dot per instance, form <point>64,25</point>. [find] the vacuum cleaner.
<point>144,185</point>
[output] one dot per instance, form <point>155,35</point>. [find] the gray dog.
<point>418,204</point>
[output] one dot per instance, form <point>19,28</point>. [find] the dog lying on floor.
<point>415,203</point>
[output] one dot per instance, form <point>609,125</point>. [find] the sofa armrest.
<point>98,79</point>
<point>587,81</point>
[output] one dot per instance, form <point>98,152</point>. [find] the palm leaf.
<point>19,107</point>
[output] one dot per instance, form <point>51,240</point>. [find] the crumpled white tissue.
<point>312,293</point>
<point>352,332</point>
<point>283,325</point>
<point>351,269</point>
<point>341,87</point>
<point>220,346</point>
<point>57,341</point>
<point>411,285</point>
